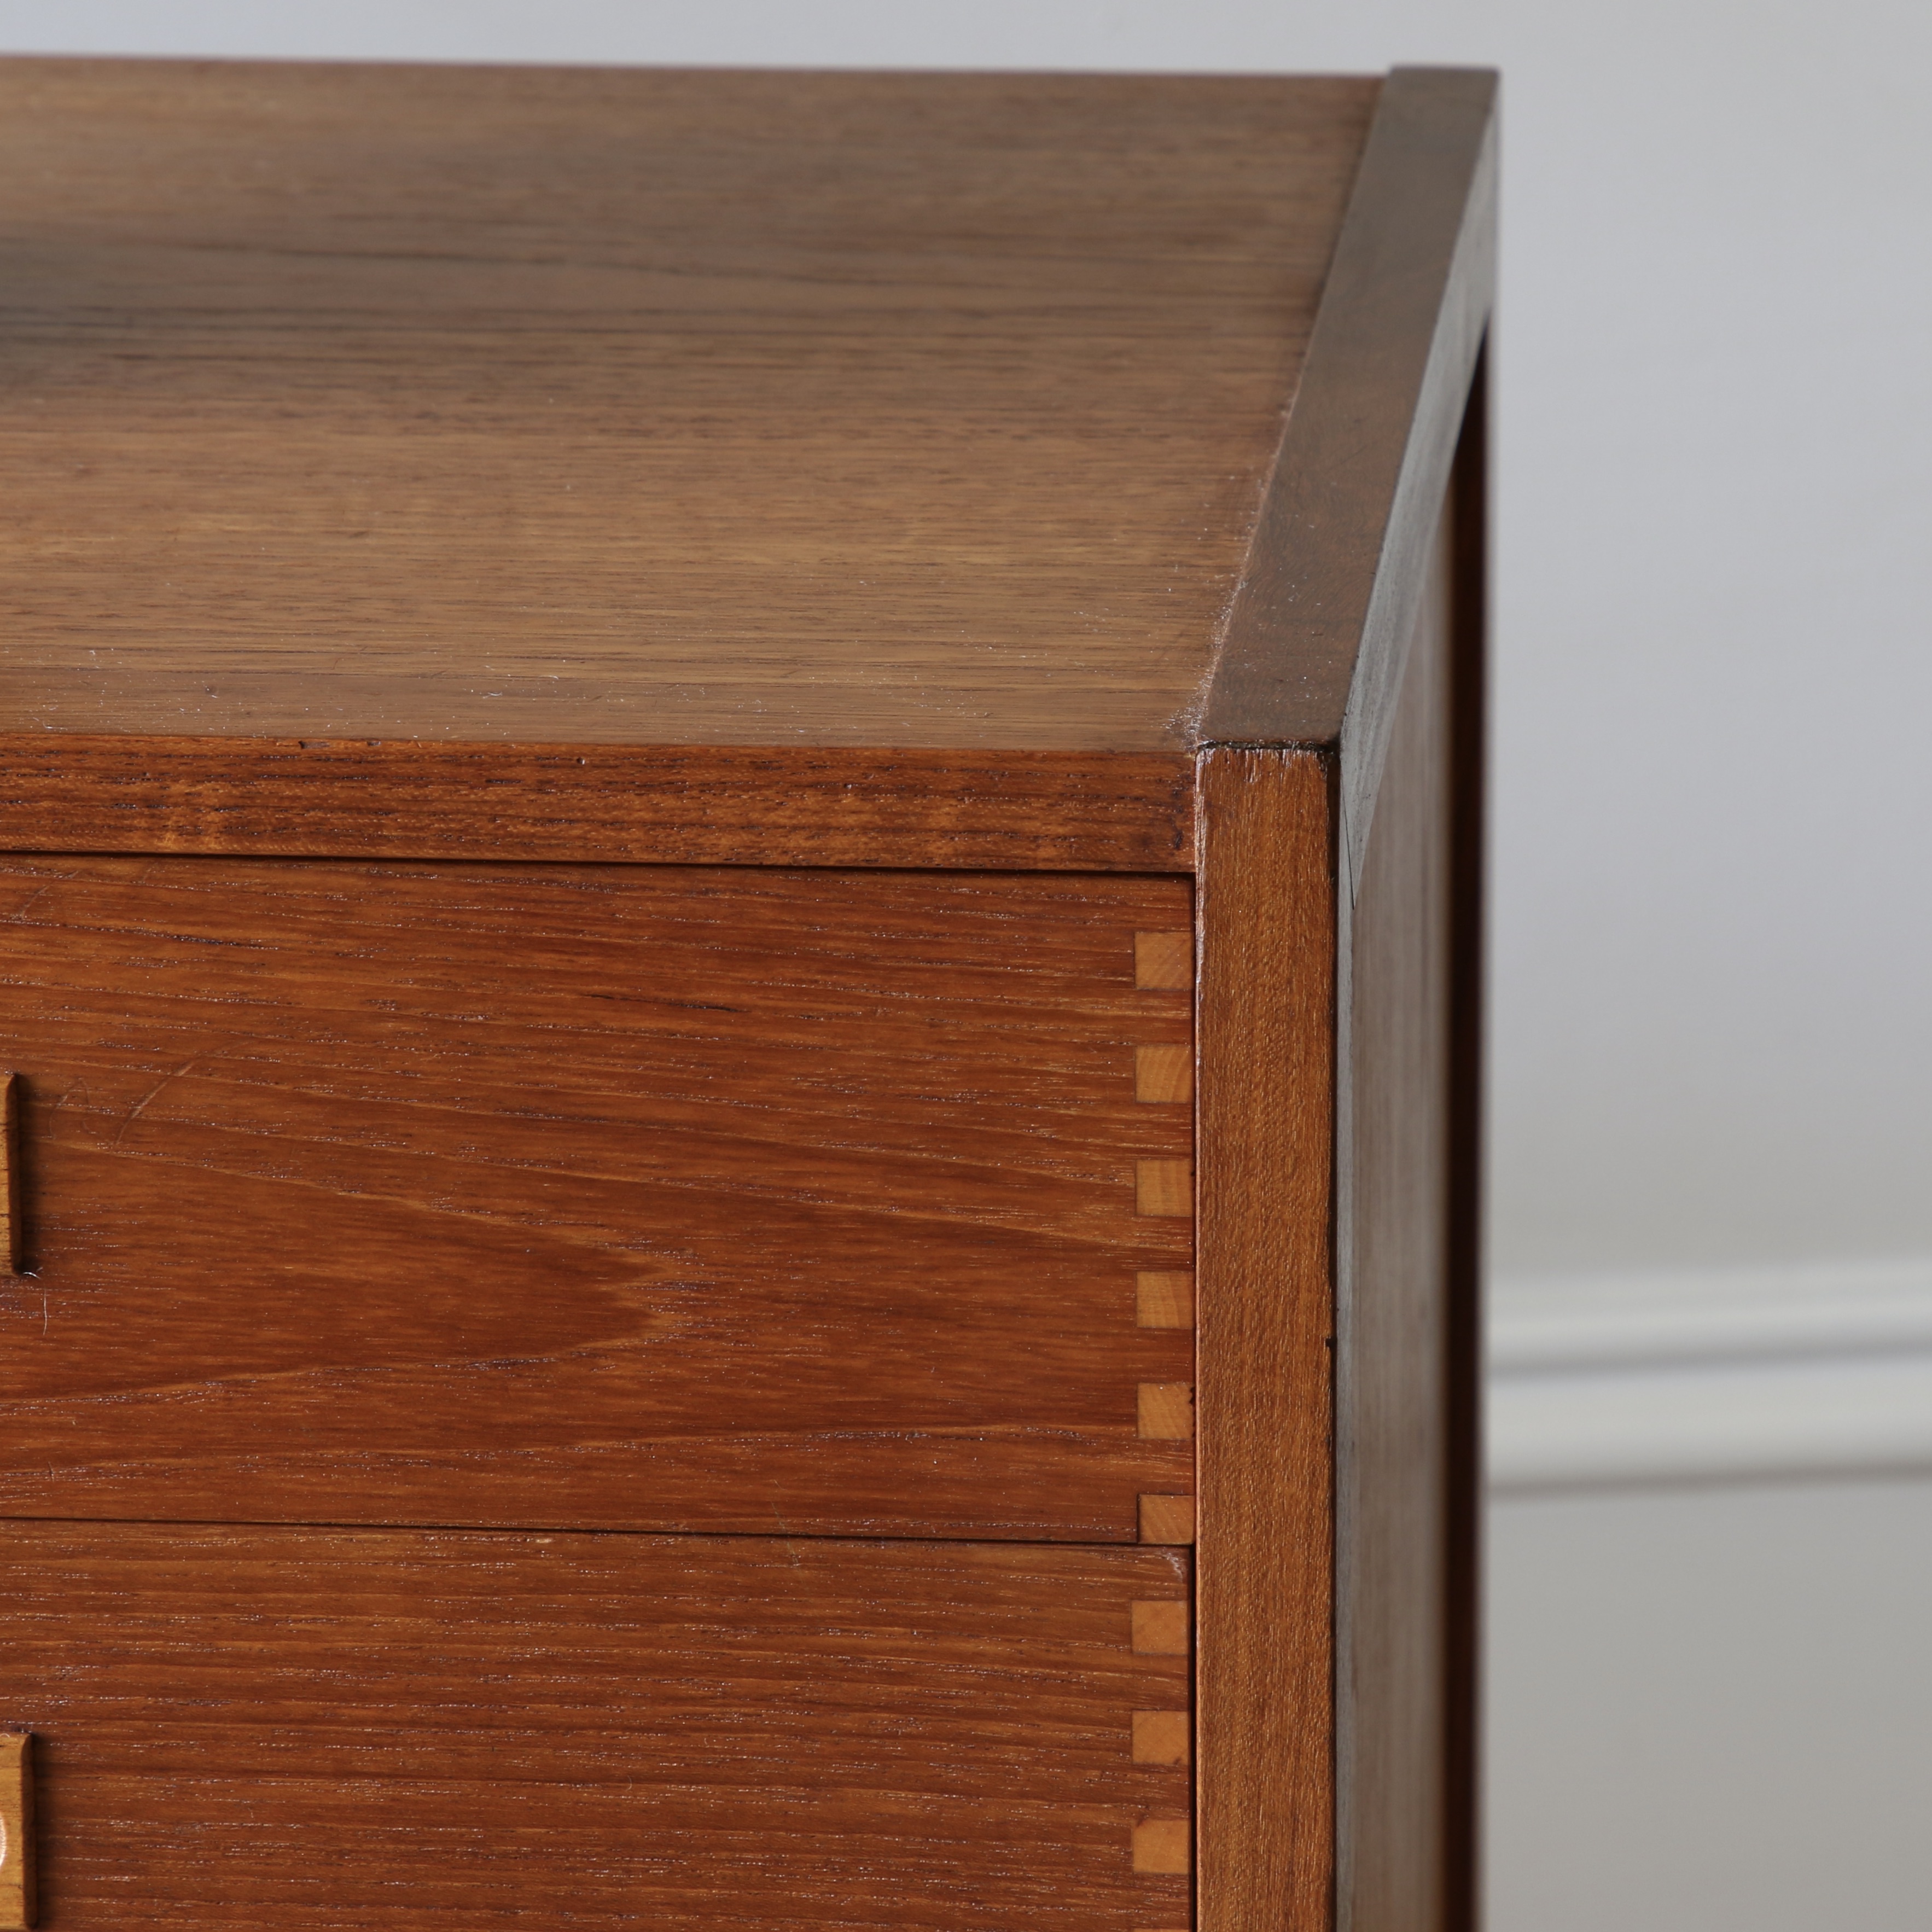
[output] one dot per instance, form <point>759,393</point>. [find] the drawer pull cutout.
<point>16,1831</point>
<point>12,1208</point>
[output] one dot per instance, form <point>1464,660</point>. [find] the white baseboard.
<point>1718,1375</point>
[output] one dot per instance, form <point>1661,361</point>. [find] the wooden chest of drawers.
<point>739,850</point>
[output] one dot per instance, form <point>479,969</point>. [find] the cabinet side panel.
<point>1402,1410</point>
<point>1266,1036</point>
<point>1469,979</point>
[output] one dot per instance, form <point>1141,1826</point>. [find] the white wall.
<point>1713,1043</point>
<point>1710,1710</point>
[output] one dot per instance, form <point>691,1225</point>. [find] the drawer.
<point>654,1198</point>
<point>278,1727</point>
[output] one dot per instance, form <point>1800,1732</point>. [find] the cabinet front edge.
<point>660,804</point>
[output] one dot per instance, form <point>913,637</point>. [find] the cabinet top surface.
<point>618,407</point>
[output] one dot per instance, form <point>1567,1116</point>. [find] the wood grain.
<point>19,1846</point>
<point>11,1215</point>
<point>423,466</point>
<point>1166,1411</point>
<point>786,806</point>
<point>1328,598</point>
<point>1360,1812</point>
<point>1164,960</point>
<point>1162,1845</point>
<point>1167,1519</point>
<point>1395,1373</point>
<point>1265,1270</point>
<point>1164,1189</point>
<point>253,1727</point>
<point>1162,1627</point>
<point>725,1200</point>
<point>1164,1076</point>
<point>1161,1737</point>
<point>1164,1298</point>
<point>545,405</point>
<point>1468,781</point>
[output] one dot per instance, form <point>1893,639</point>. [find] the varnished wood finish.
<point>18,1883</point>
<point>1354,1810</point>
<point>1164,1189</point>
<point>256,1728</point>
<point>1399,1500</point>
<point>1167,1519</point>
<point>1162,1845</point>
<point>1164,1075</point>
<point>1161,1737</point>
<point>738,471</point>
<point>1166,1411</point>
<point>1328,598</point>
<point>1165,959</point>
<point>12,1214</point>
<point>678,408</point>
<point>1265,1271</point>
<point>718,1200</point>
<point>661,804</point>
<point>1164,1298</point>
<point>1161,1626</point>
<point>1465,1267</point>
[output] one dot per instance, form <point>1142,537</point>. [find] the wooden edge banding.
<point>1312,650</point>
<point>18,1904</point>
<point>1462,1774</point>
<point>1163,1845</point>
<point>12,1206</point>
<point>1264,1561</point>
<point>661,804</point>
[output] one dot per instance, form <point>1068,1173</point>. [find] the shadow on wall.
<point>1716,1375</point>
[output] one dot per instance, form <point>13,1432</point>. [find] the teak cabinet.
<point>739,848</point>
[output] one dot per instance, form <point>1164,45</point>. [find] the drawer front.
<point>292,1728</point>
<point>651,1198</point>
